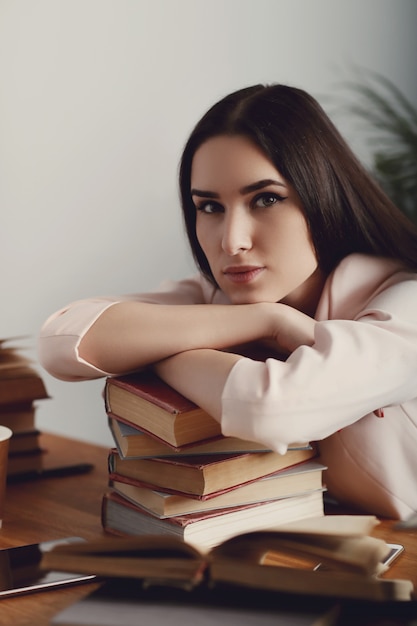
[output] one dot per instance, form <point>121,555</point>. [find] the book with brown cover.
<point>205,475</point>
<point>25,442</point>
<point>21,385</point>
<point>144,400</point>
<point>19,381</point>
<point>208,528</point>
<point>18,417</point>
<point>289,482</point>
<point>354,560</point>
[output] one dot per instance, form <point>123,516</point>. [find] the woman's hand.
<point>289,328</point>
<point>285,330</point>
<point>201,374</point>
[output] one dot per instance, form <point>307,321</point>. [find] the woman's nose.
<point>237,233</point>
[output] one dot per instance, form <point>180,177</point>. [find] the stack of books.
<point>172,472</point>
<point>20,387</point>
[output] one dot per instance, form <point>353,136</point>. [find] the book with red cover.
<point>205,530</point>
<point>205,475</point>
<point>144,400</point>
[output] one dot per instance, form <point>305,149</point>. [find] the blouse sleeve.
<point>63,331</point>
<point>355,366</point>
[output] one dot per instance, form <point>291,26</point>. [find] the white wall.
<point>97,99</point>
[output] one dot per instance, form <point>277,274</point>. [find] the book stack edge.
<point>21,386</point>
<point>172,472</point>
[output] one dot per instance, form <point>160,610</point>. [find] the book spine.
<point>111,460</point>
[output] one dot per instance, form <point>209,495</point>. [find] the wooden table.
<point>53,508</point>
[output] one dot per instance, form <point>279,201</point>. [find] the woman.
<point>284,223</point>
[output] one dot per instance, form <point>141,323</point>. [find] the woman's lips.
<point>242,274</point>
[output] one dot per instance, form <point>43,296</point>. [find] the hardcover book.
<point>24,442</point>
<point>206,529</point>
<point>144,400</point>
<point>296,480</point>
<point>21,385</point>
<point>19,381</point>
<point>206,475</point>
<point>18,417</point>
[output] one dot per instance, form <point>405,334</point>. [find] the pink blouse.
<point>364,358</point>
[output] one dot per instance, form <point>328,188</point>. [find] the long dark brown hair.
<point>345,209</point>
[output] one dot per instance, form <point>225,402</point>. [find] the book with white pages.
<point>131,442</point>
<point>293,481</point>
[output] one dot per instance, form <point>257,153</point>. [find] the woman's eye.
<point>209,207</point>
<point>265,200</point>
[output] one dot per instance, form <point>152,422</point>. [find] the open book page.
<point>361,554</point>
<point>340,584</point>
<point>147,557</point>
<point>243,561</point>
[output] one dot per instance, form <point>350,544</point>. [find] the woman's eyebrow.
<point>260,184</point>
<point>204,194</point>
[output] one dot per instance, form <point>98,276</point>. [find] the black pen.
<point>52,472</point>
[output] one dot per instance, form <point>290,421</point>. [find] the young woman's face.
<point>251,227</point>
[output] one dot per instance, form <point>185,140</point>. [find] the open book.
<point>283,559</point>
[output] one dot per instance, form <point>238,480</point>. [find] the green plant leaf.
<point>391,125</point>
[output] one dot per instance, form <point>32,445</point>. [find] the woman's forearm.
<point>200,375</point>
<point>130,335</point>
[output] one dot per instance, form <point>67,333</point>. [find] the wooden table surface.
<point>54,508</point>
